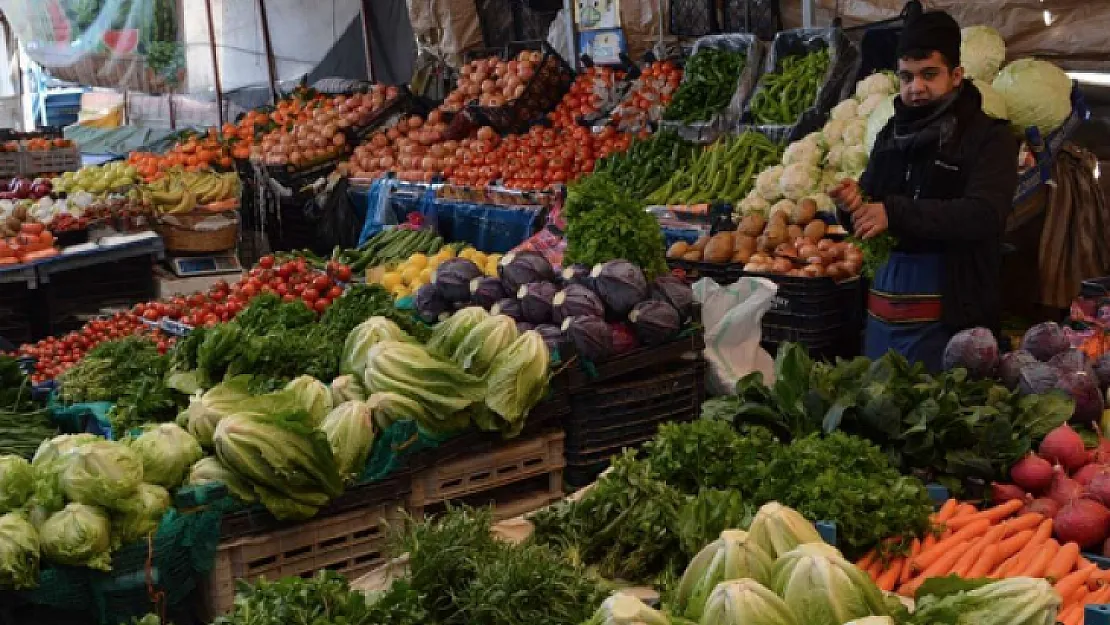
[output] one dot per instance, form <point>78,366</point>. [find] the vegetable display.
<point>708,85</point>
<point>781,97</point>
<point>723,171</point>
<point>648,164</point>
<point>604,224</point>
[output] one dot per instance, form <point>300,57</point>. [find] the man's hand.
<point>847,195</point>
<point>870,220</point>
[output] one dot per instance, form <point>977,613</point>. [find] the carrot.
<point>970,557</point>
<point>994,515</point>
<point>865,562</point>
<point>1075,580</point>
<point>889,578</point>
<point>1070,615</point>
<point>943,547</point>
<point>915,549</point>
<point>943,565</point>
<point>1016,563</point>
<point>946,511</point>
<point>986,562</point>
<point>930,540</point>
<point>875,569</point>
<point>1013,544</point>
<point>1100,596</point>
<point>1041,558</point>
<point>963,510</point>
<point>1024,522</point>
<point>1063,562</point>
<point>1078,596</point>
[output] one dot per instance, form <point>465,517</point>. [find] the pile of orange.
<point>193,154</point>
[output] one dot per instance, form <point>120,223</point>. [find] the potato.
<point>678,250</point>
<point>744,243</point>
<point>700,244</point>
<point>786,250</point>
<point>781,265</point>
<point>765,244</point>
<point>794,232</point>
<point>814,271</point>
<point>814,230</point>
<point>719,248</point>
<point>752,225</point>
<point>742,257</point>
<point>20,212</point>
<point>692,255</point>
<point>836,271</point>
<point>804,212</point>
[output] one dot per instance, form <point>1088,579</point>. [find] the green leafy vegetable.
<point>19,552</point>
<point>604,223</point>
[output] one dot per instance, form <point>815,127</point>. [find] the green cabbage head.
<point>141,515</point>
<point>17,482</point>
<point>366,335</point>
<point>624,609</point>
<point>448,334</point>
<point>1037,93</point>
<point>746,602</point>
<point>518,378</point>
<point>104,473</point>
<point>211,471</point>
<point>994,104</point>
<point>350,432</point>
<point>313,396</point>
<point>347,388</point>
<point>822,588</point>
<point>982,52</point>
<point>482,344</point>
<point>167,452</point>
<point>778,529</point>
<point>78,535</point>
<point>732,556</point>
<point>205,411</point>
<point>19,552</point>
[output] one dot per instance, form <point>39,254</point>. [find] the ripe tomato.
<point>343,273</point>
<point>335,292</point>
<point>266,262</point>
<point>322,304</point>
<point>211,319</point>
<point>321,283</point>
<point>289,297</point>
<point>151,314</point>
<point>310,295</point>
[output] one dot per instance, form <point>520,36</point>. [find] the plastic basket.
<point>54,160</point>
<point>543,92</point>
<point>74,295</point>
<point>693,18</point>
<point>19,309</point>
<point>488,228</point>
<point>686,348</point>
<point>11,164</point>
<point>762,18</point>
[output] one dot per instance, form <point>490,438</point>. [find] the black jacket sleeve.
<point>982,209</point>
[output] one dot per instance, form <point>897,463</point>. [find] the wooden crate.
<point>351,543</point>
<point>52,161</point>
<point>515,477</point>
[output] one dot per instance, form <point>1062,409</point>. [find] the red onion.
<point>1082,521</point>
<point>1063,489</point>
<point>1001,493</point>
<point>1032,473</point>
<point>1084,475</point>
<point>1044,506</point>
<point>1064,446</point>
<point>1099,488</point>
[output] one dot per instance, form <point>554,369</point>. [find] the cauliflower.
<point>829,179</point>
<point>824,203</point>
<point>804,151</point>
<point>835,156</point>
<point>754,204</point>
<point>767,183</point>
<point>833,132</point>
<point>798,180</point>
<point>854,159</point>
<point>879,83</point>
<point>847,175</point>
<point>855,132</point>
<point>982,52</point>
<point>877,120</point>
<point>846,110</point>
<point>787,207</point>
<point>872,102</point>
<point>993,103</point>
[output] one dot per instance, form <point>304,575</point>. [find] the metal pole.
<point>367,24</point>
<point>809,9</point>
<point>215,63</point>
<point>271,67</point>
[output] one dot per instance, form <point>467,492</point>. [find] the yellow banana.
<point>188,202</point>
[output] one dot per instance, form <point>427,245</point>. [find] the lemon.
<point>401,291</point>
<point>418,260</point>
<point>491,267</point>
<point>467,253</point>
<point>479,259</point>
<point>446,252</point>
<point>425,275</point>
<point>409,274</point>
<point>392,280</point>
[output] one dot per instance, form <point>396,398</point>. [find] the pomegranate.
<point>1082,521</point>
<point>1032,473</point>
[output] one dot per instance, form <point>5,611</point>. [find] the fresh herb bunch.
<point>604,223</point>
<point>710,80</point>
<point>21,432</point>
<point>876,252</point>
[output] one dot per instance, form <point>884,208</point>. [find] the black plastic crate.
<point>543,92</point>
<point>72,296</point>
<point>685,348</point>
<point>762,18</point>
<point>580,475</point>
<point>693,18</point>
<point>612,439</point>
<point>827,320</point>
<point>19,307</point>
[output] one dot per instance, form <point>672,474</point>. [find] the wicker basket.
<point>179,233</point>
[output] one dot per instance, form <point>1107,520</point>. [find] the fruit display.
<point>408,276</point>
<point>320,135</point>
<point>195,153</point>
<point>97,179</point>
<point>40,144</point>
<point>26,189</point>
<point>393,246</point>
<point>493,81</point>
<point>183,191</point>
<point>647,97</point>
<point>593,90</point>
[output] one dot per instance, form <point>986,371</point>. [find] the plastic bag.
<point>732,316</point>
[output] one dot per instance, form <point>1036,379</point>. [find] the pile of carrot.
<point>995,543</point>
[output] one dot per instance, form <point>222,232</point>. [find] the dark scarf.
<point>918,126</point>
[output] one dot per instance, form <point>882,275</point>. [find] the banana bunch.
<point>182,192</point>
<point>212,187</point>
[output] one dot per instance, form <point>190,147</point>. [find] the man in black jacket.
<point>941,181</point>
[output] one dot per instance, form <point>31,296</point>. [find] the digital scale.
<point>207,265</point>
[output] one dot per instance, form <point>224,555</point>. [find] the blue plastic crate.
<point>1096,615</point>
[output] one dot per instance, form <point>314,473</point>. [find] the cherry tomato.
<point>321,283</point>
<point>334,292</point>
<point>289,297</point>
<point>322,304</point>
<point>211,319</point>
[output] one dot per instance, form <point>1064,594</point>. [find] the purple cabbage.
<point>975,350</point>
<point>624,338</point>
<point>509,306</point>
<point>453,278</point>
<point>1037,379</point>
<point>576,301</point>
<point>621,286</point>
<point>1045,340</point>
<point>577,274</point>
<point>1010,366</point>
<point>592,338</point>
<point>430,305</point>
<point>1072,361</point>
<point>524,326</point>
<point>520,268</point>
<point>486,291</point>
<point>655,322</point>
<point>1102,371</point>
<point>676,292</point>
<point>1083,388</point>
<point>536,301</point>
<point>553,336</point>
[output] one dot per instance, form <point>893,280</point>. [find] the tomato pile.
<point>292,280</point>
<point>649,96</point>
<point>589,92</point>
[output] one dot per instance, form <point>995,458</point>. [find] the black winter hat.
<point>933,30</point>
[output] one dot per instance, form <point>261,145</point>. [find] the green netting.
<point>393,446</point>
<point>73,418</point>
<point>145,577</point>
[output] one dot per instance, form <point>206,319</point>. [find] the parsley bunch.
<point>604,223</point>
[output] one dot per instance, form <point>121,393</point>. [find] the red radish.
<point>1064,446</point>
<point>1099,488</point>
<point>1084,475</point>
<point>1032,473</point>
<point>1043,506</point>
<point>1082,521</point>
<point>1063,489</point>
<point>1001,493</point>
<point>1100,453</point>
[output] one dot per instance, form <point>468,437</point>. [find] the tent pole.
<point>367,22</point>
<point>215,63</point>
<point>270,63</point>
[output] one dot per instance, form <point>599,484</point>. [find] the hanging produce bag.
<point>732,316</point>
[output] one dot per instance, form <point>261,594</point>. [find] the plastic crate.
<point>351,543</point>
<point>693,18</point>
<point>72,296</point>
<point>762,18</point>
<point>11,164</point>
<point>543,92</point>
<point>20,308</point>
<point>479,478</point>
<point>54,160</point>
<point>683,349</point>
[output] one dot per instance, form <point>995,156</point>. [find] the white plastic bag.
<point>732,316</point>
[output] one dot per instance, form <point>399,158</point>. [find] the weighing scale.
<point>206,265</point>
